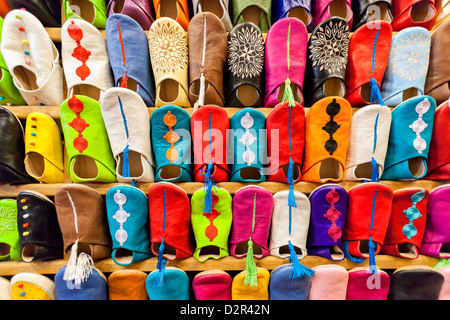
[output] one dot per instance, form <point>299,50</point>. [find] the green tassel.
<point>288,94</point>
<point>251,271</point>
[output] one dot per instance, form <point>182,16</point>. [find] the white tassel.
<point>69,273</point>
<point>84,268</point>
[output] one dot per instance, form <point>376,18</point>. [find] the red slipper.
<point>413,13</point>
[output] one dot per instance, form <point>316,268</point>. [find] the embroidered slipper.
<point>325,9</point>
<point>38,227</point>
<point>368,214</point>
<point>47,11</point>
<point>326,63</point>
<point>212,285</point>
<point>32,59</point>
<point>128,51</point>
<point>282,287</point>
<point>249,142</point>
<point>219,7</point>
<point>176,285</point>
<point>32,286</point>
<point>327,134</point>
<point>140,11</point>
<point>329,204</point>
<point>407,66</point>
<point>407,153</point>
<point>168,43</point>
<point>368,11</point>
<point>285,62</point>
<point>437,80</point>
<point>413,13</point>
<point>9,239</point>
<point>301,9</point>
<point>259,12</point>
<point>244,70</point>
<point>329,283</point>
<point>436,237</point>
<point>241,291</point>
<point>363,285</point>
<point>127,284</point>
<point>172,144</point>
<point>211,223</point>
<point>207,60</point>
<point>407,223</point>
<point>128,220</point>
<point>365,161</point>
<point>84,227</point>
<point>85,59</point>
<point>127,123</point>
<point>5,289</point>
<point>416,283</point>
<point>92,11</point>
<point>93,289</point>
<point>177,10</point>
<point>44,158</point>
<point>367,59</point>
<point>12,150</point>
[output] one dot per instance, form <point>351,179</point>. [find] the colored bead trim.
<point>412,213</point>
<point>334,232</point>
<point>247,139</point>
<point>211,231</point>
<point>121,216</point>
<point>419,125</point>
<point>171,137</point>
<point>79,53</point>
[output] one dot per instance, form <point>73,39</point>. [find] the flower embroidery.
<point>246,53</point>
<point>168,48</point>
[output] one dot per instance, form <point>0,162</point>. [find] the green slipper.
<point>93,11</point>
<point>9,234</point>
<point>90,158</point>
<point>257,11</point>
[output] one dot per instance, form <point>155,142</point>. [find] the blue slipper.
<point>93,288</point>
<point>300,9</point>
<point>283,287</point>
<point>175,285</point>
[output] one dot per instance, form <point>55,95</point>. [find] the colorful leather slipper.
<point>128,220</point>
<point>249,143</point>
<point>407,223</point>
<point>78,208</point>
<point>329,283</point>
<point>44,158</point>
<point>325,9</point>
<point>365,161</point>
<point>38,227</point>
<point>4,8</point>
<point>140,11</point>
<point>444,269</point>
<point>211,223</point>
<point>241,291</point>
<point>9,239</point>
<point>301,9</point>
<point>126,63</point>
<point>368,11</point>
<point>127,123</point>
<point>88,148</point>
<point>219,7</point>
<point>175,286</point>
<point>127,284</point>
<point>363,286</point>
<point>47,11</point>
<point>212,285</point>
<point>93,289</point>
<point>85,60</point>
<point>442,13</point>
<point>368,215</point>
<point>409,139</point>
<point>259,12</point>
<point>168,43</point>
<point>172,144</point>
<point>282,287</point>
<point>407,66</point>
<point>32,286</point>
<point>92,11</point>
<point>32,59</point>
<point>12,150</point>
<point>413,13</point>
<point>416,283</point>
<point>367,59</point>
<point>207,60</point>
<point>244,75</point>
<point>327,134</point>
<point>436,237</point>
<point>326,64</point>
<point>329,204</point>
<point>437,80</point>
<point>285,61</point>
<point>177,10</point>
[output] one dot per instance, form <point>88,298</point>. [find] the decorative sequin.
<point>121,216</point>
<point>332,126</point>
<point>248,139</point>
<point>78,124</point>
<point>211,231</point>
<point>334,232</point>
<point>80,53</point>
<point>171,137</point>
<point>419,125</point>
<point>412,213</point>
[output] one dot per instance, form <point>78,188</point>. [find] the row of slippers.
<point>264,13</point>
<point>370,66</point>
<point>330,282</point>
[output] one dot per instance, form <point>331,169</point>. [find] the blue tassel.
<point>126,163</point>
<point>290,175</point>
<point>349,256</point>
<point>372,265</point>
<point>375,94</point>
<point>160,266</point>
<point>298,270</point>
<point>375,173</point>
<point>291,197</point>
<point>208,183</point>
